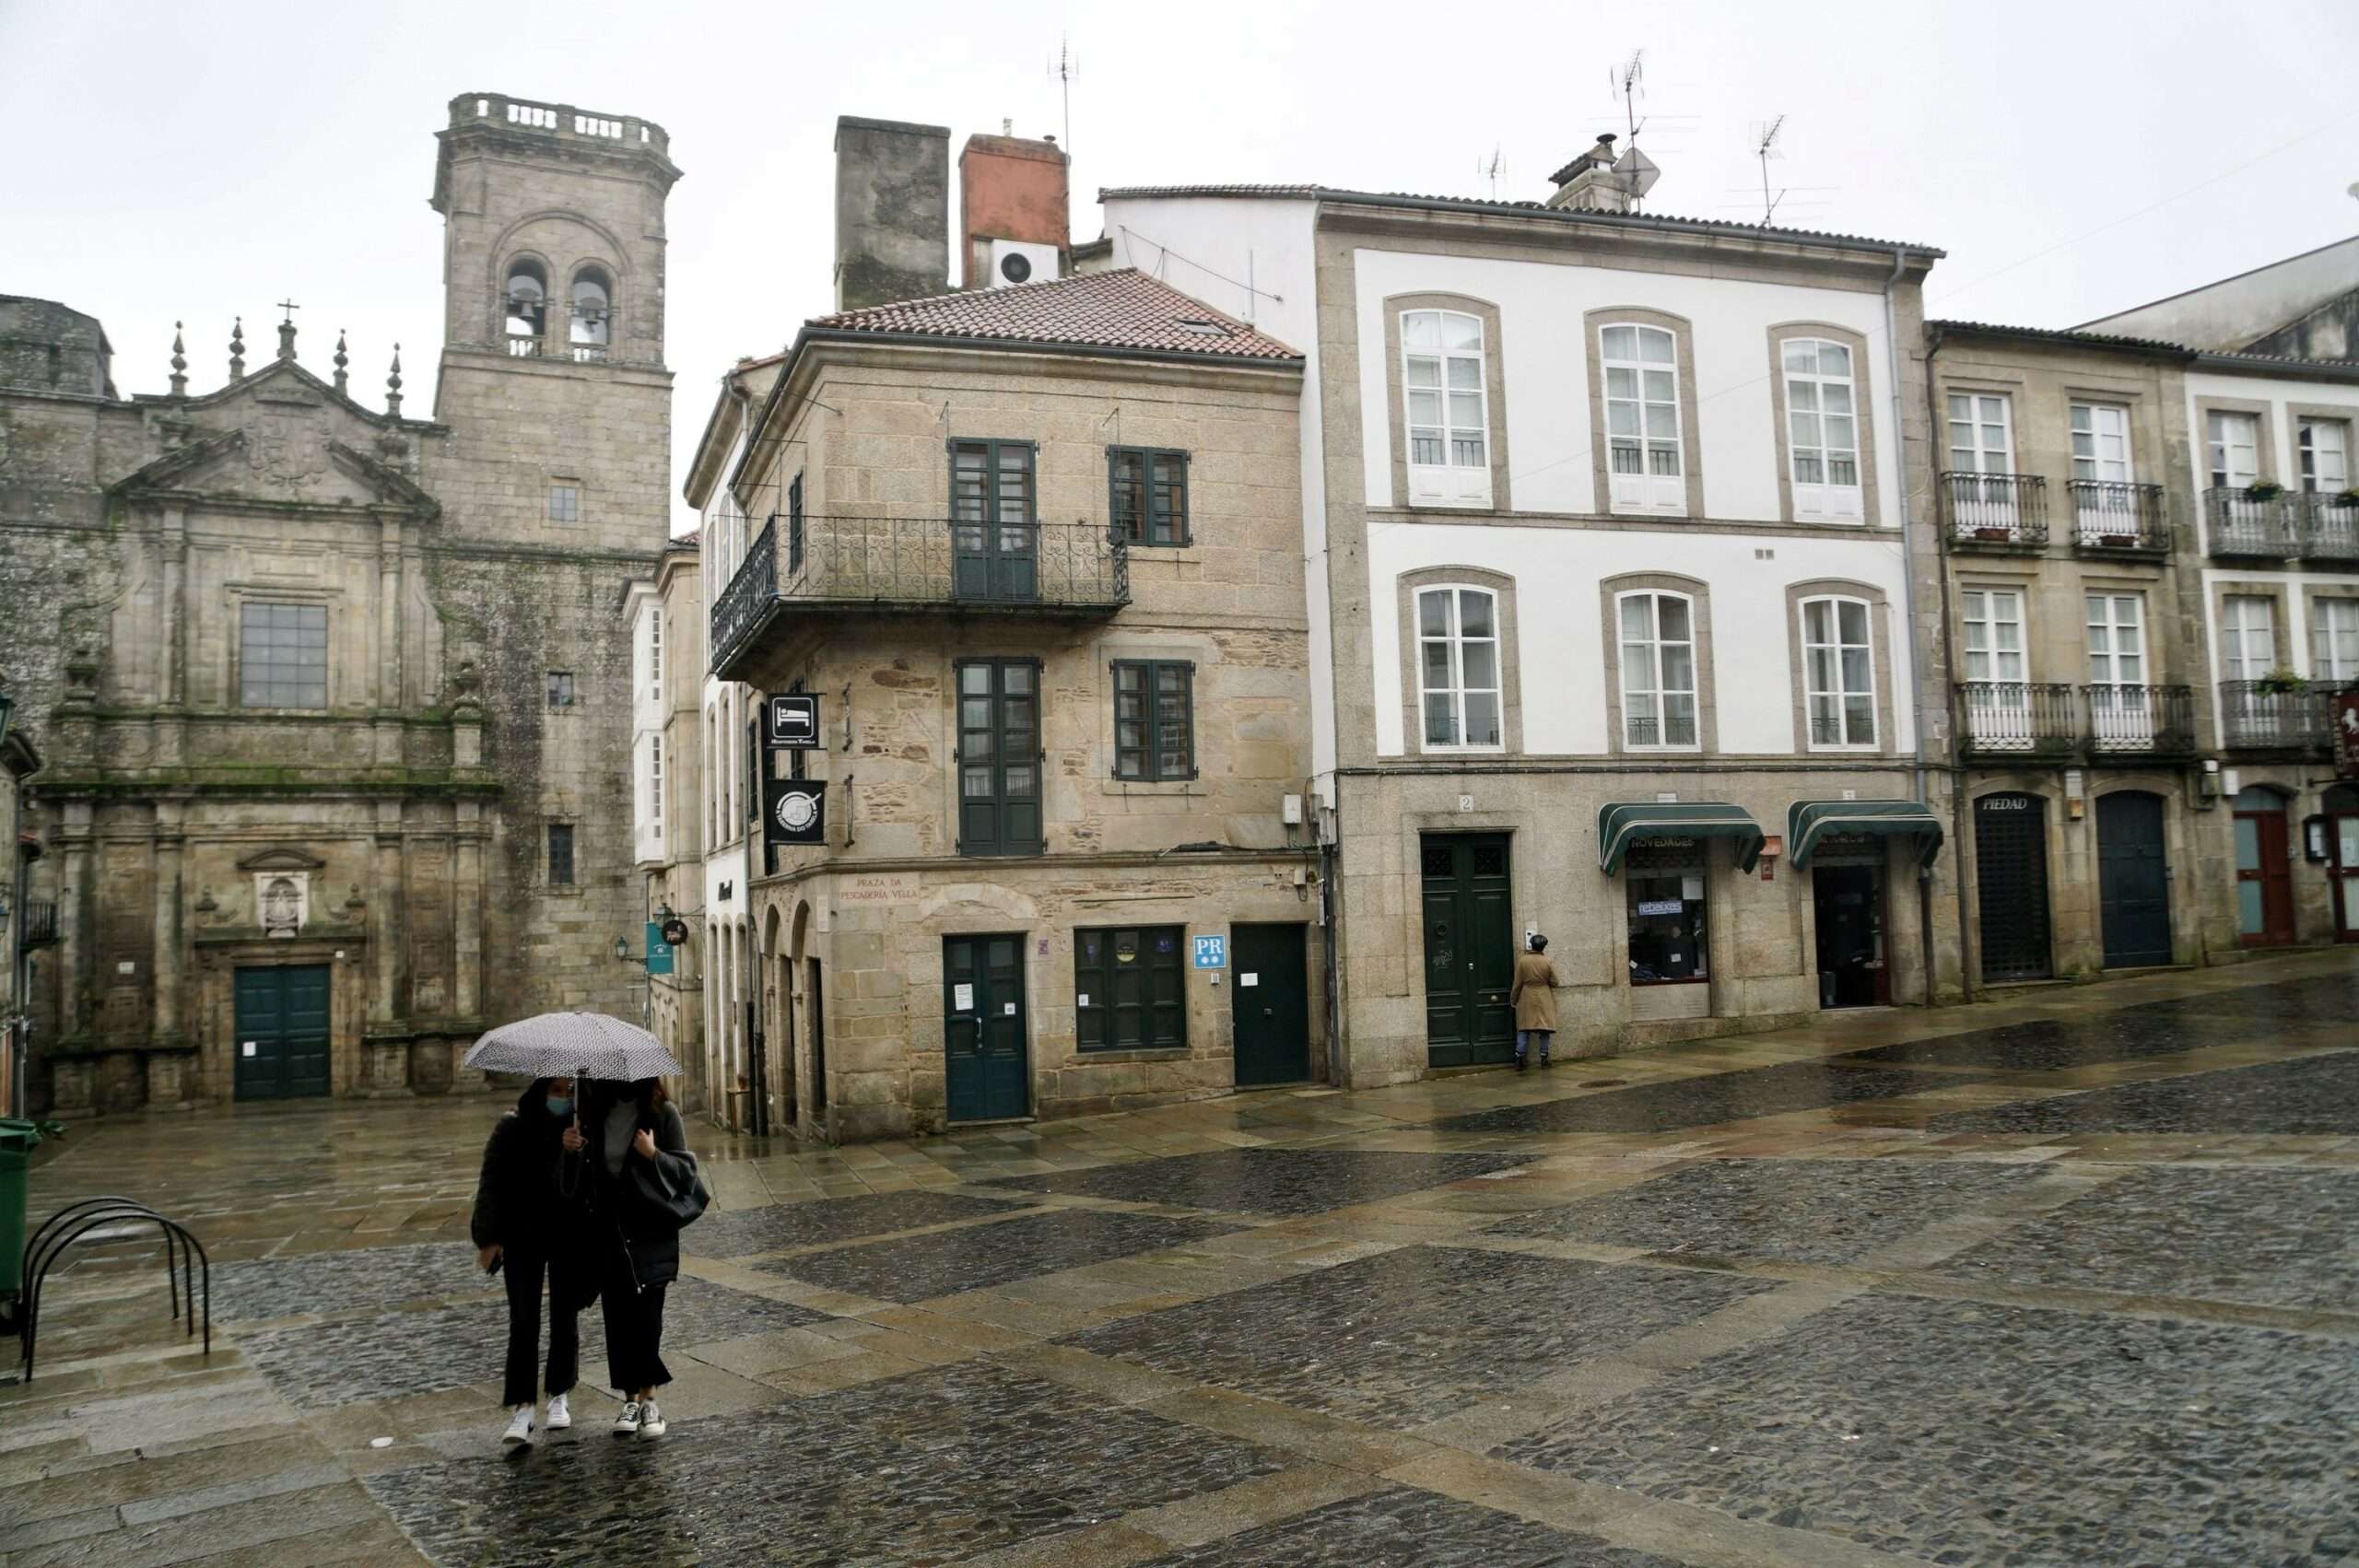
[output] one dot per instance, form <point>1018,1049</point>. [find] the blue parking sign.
<point>1212,953</point>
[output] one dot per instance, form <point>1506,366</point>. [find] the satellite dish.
<point>2354,190</point>
<point>1638,171</point>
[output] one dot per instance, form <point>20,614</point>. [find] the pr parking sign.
<point>1212,953</point>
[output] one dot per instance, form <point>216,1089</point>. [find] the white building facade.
<point>1618,528</point>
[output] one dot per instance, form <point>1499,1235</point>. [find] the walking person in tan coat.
<point>1533,997</point>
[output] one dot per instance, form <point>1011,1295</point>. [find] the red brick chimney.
<point>1013,200</point>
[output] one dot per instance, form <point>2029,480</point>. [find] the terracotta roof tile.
<point>1124,308</point>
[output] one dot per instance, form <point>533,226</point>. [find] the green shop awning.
<point>1810,824</point>
<point>1624,823</point>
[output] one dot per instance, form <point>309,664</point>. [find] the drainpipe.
<point>1908,606</point>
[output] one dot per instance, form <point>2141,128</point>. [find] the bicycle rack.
<point>183,1252</point>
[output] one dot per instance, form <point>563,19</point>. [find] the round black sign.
<point>675,932</point>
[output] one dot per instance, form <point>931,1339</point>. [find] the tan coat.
<point>1533,995</point>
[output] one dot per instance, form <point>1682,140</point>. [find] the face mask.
<point>560,1105</point>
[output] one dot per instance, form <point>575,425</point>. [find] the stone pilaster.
<point>166,963</point>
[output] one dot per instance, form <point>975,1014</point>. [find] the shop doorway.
<point>1848,901</point>
<point>2342,804</point>
<point>2264,870</point>
<point>2011,887</point>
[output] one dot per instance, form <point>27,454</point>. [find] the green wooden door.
<point>1470,949</point>
<point>987,1067</point>
<point>1271,998</point>
<point>282,1036</point>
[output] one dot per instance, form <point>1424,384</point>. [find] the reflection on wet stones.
<point>1796,1211</point>
<point>2047,1044</point>
<point>1988,1435</point>
<point>920,1268</point>
<point>2275,1238</point>
<point>1705,1102</point>
<point>1268,1181</point>
<point>2316,1095</point>
<point>1401,1527</point>
<point>1409,1335</point>
<point>935,1467</point>
<point>734,1232</point>
<point>342,1282</point>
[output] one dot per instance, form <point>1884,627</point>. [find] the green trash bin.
<point>18,1140</point>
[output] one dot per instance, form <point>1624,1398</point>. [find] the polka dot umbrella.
<point>574,1044</point>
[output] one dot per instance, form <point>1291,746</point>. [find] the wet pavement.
<point>2068,1278</point>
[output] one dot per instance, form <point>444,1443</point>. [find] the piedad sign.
<point>2344,712</point>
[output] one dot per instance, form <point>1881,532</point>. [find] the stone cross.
<point>286,328</point>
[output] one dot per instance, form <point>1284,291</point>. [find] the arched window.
<point>1643,438</point>
<point>527,307</point>
<point>593,314</point>
<point>1822,427</point>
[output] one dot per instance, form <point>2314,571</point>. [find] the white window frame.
<point>1455,373</point>
<point>655,652</point>
<point>1842,693</point>
<point>2334,640</point>
<point>1991,616</point>
<point>2091,439</point>
<point>656,779</point>
<point>2313,456</point>
<point>1643,673</point>
<point>2221,453</point>
<point>1456,690</point>
<point>1811,389</point>
<point>1658,484</point>
<point>2247,635</point>
<point>2121,714</point>
<point>1976,424</point>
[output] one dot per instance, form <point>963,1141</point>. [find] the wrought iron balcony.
<point>40,924</point>
<point>2017,718</point>
<point>2330,528</point>
<point>2140,721</point>
<point>2243,524</point>
<point>2256,719</point>
<point>2110,517</point>
<point>874,565</point>
<point>1996,511</point>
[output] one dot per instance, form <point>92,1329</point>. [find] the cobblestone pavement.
<point>2067,1279</point>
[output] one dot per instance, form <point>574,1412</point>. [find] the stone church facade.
<point>333,705</point>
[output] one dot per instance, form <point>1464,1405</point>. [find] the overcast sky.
<point>193,162</point>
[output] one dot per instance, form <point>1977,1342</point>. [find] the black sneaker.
<point>1519,1064</point>
<point>1545,1064</point>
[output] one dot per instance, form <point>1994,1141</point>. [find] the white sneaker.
<point>626,1419</point>
<point>520,1427</point>
<point>560,1418</point>
<point>650,1421</point>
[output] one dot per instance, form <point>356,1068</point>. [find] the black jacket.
<point>650,1237</point>
<point>533,1196</point>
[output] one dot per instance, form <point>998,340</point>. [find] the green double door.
<point>1470,949</point>
<point>987,1066</point>
<point>282,1039</point>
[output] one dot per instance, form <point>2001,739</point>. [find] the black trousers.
<point>525,1271</point>
<point>634,1315</point>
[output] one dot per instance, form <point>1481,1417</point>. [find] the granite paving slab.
<point>920,1268</point>
<point>1404,1527</point>
<point>1828,1212</point>
<point>1268,1181</point>
<point>734,1233</point>
<point>2315,1096</point>
<point>393,1355</point>
<point>2047,1044</point>
<point>1979,1436</point>
<point>2314,998</point>
<point>1409,1335</point>
<point>374,1277</point>
<point>1705,1102</point>
<point>2275,1238</point>
<point>935,1467</point>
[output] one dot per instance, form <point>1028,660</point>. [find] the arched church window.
<point>593,314</point>
<point>527,296</point>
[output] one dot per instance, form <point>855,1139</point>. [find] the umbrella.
<point>574,1044</point>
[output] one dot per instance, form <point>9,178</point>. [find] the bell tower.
<point>553,381</point>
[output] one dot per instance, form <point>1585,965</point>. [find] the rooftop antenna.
<point>1067,67</point>
<point>1630,81</point>
<point>1492,171</point>
<point>1764,150</point>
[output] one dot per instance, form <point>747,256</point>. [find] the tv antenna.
<point>1067,66</point>
<point>1766,149</point>
<point>1630,82</point>
<point>1491,170</point>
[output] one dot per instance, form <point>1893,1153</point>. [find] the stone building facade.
<point>1035,551</point>
<point>338,698</point>
<point>665,619</point>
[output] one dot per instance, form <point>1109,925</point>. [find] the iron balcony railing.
<point>2242,523</point>
<point>2137,721</point>
<point>2330,528</point>
<point>1996,510</point>
<point>2258,719</point>
<point>2017,718</point>
<point>39,928</point>
<point>2110,515</point>
<point>903,565</point>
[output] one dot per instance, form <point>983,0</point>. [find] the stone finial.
<point>393,386</point>
<point>238,350</point>
<point>342,360</point>
<point>286,328</point>
<point>179,363</point>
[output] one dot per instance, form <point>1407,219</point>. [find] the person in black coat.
<point>644,1187</point>
<point>530,1216</point>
